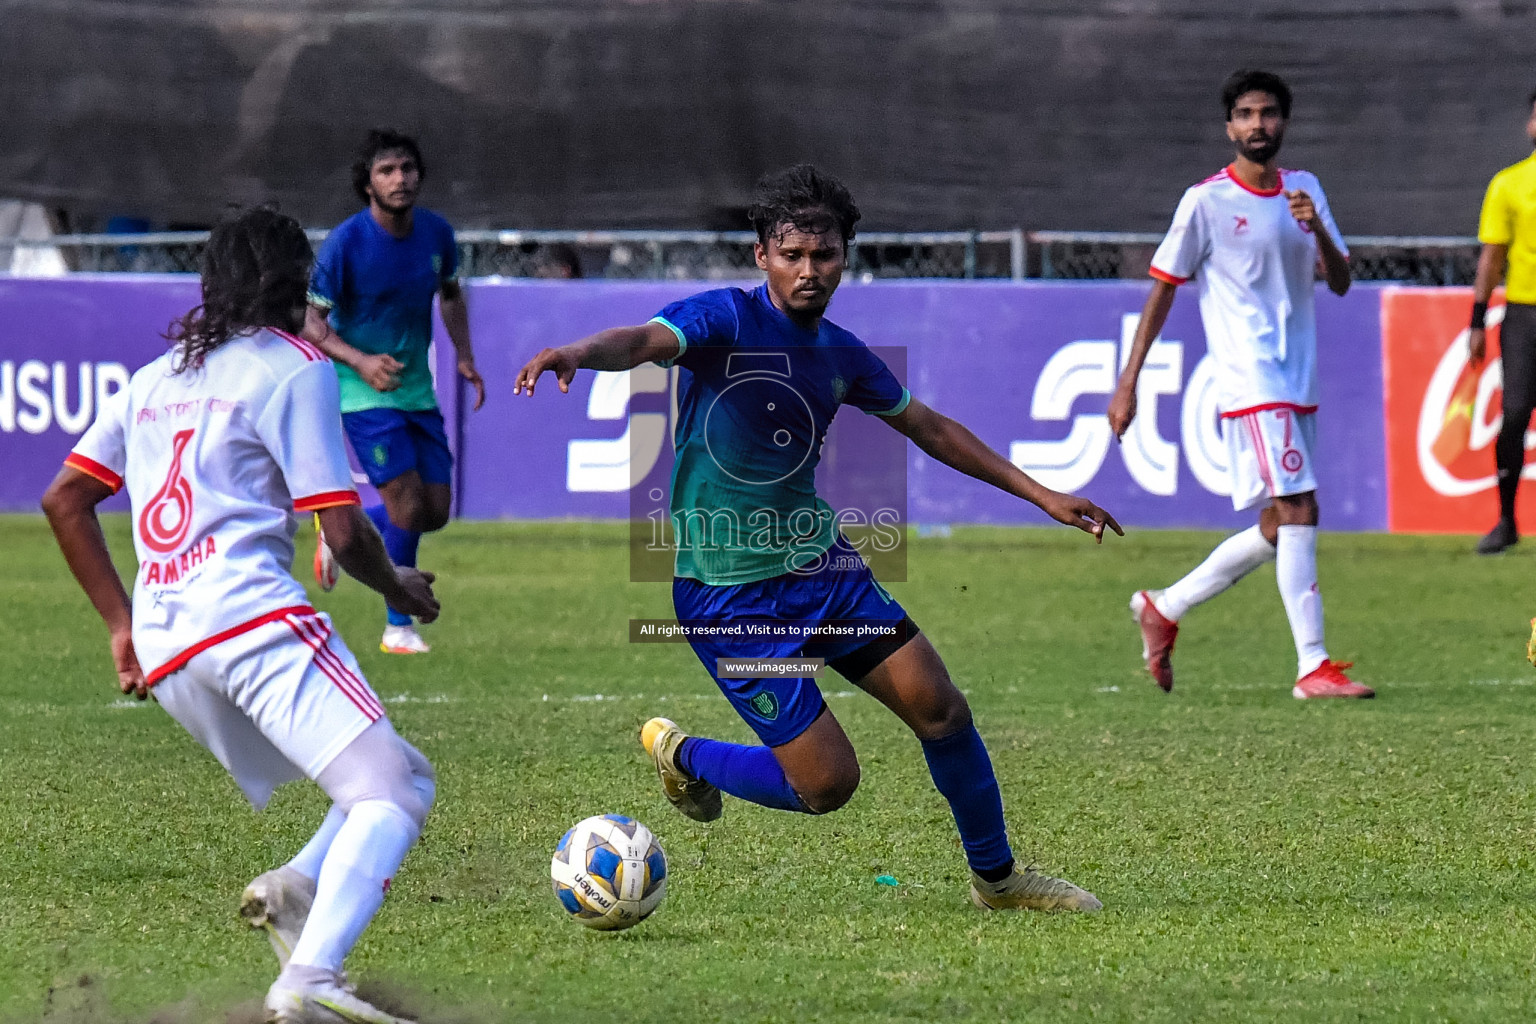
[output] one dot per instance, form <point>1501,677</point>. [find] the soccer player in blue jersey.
<point>370,310</point>
<point>741,457</point>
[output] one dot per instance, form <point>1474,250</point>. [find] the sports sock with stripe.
<point>962,771</point>
<point>1233,559</point>
<point>1296,573</point>
<point>363,857</point>
<point>401,546</point>
<point>746,772</point>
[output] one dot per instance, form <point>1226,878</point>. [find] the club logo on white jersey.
<point>167,516</point>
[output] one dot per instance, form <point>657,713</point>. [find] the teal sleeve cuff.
<point>316,299</point>
<point>682,342</point>
<point>900,407</point>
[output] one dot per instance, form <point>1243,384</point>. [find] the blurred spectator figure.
<point>129,257</point>
<point>559,261</point>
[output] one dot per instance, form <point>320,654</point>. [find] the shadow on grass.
<point>85,1001</point>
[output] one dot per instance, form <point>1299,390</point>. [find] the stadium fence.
<point>727,255</point>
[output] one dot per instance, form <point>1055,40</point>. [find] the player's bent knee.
<point>831,793</point>
<point>944,720</point>
<point>423,776</point>
<point>380,766</point>
<point>407,515</point>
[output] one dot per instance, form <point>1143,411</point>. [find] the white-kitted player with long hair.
<point>220,443</point>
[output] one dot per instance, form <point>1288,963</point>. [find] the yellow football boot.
<point>694,797</point>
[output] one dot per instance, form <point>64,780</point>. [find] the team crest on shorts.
<point>766,705</point>
<point>380,455</point>
<point>839,389</point>
<point>437,263</point>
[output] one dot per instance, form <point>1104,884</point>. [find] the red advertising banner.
<point>1443,415</point>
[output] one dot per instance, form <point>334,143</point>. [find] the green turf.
<point>1258,858</point>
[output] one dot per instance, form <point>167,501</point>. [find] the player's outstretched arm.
<point>360,551</point>
<point>954,445</point>
<point>618,348</point>
<point>70,504</point>
<point>1122,405</point>
<point>381,372</point>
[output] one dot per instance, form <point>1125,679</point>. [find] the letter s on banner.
<point>1081,368</point>
<point>613,464</point>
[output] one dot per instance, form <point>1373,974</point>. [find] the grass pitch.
<point>1258,858</point>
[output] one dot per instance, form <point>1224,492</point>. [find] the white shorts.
<point>1269,454</point>
<point>275,704</point>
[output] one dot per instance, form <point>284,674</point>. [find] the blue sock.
<point>401,546</point>
<point>962,771</point>
<point>749,773</point>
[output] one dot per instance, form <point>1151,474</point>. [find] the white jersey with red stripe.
<point>1255,267</point>
<point>218,459</point>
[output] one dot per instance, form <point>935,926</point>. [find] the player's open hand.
<point>1302,207</point>
<point>380,372</point>
<point>468,372</point>
<point>562,361</point>
<point>1081,513</point>
<point>1122,410</point>
<point>415,597</point>
<point>130,677</point>
<point>1477,346</point>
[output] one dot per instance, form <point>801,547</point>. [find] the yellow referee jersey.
<point>1509,218</point>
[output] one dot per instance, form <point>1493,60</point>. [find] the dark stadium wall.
<point>1073,114</point>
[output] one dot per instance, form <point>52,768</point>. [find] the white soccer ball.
<point>609,872</point>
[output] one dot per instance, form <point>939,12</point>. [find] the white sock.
<point>363,857</point>
<point>1233,559</point>
<point>1296,573</point>
<point>308,860</point>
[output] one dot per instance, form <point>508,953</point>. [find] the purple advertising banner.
<point>1028,366</point>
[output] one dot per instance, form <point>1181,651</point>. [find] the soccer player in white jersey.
<point>221,442</point>
<point>1252,238</point>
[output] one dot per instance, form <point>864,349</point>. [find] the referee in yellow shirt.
<point>1507,230</point>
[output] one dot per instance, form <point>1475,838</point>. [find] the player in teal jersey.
<point>762,373</point>
<point>370,310</point>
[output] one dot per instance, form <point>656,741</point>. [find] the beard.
<point>1260,152</point>
<point>389,205</point>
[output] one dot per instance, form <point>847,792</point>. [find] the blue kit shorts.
<point>838,597</point>
<point>390,442</point>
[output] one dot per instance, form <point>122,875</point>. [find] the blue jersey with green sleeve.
<point>379,289</point>
<point>756,395</point>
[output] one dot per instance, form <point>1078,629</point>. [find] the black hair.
<point>1255,81</point>
<point>382,140</point>
<point>255,271</point>
<point>804,199</point>
<point>1531,102</point>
